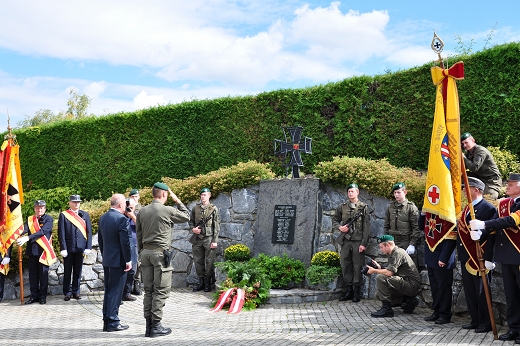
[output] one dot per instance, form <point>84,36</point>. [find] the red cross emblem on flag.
<point>434,194</point>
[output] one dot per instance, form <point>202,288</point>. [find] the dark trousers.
<point>204,257</point>
<point>130,275</point>
<point>511,277</point>
<point>2,281</point>
<point>114,281</point>
<point>72,266</point>
<point>38,278</point>
<point>476,298</point>
<point>351,263</point>
<point>441,281</point>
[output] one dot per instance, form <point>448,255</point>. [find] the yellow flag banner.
<point>441,190</point>
<point>11,224</point>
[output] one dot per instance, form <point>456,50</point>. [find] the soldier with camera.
<point>398,283</point>
<point>353,222</point>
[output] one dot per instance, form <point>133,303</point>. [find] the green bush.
<point>57,199</point>
<point>280,270</point>
<point>326,259</point>
<point>237,252</point>
<point>319,274</point>
<point>506,161</point>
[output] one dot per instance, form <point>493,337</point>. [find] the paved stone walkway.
<point>187,313</point>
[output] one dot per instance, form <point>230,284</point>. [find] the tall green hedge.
<point>385,116</point>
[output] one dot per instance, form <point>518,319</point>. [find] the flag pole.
<point>437,46</point>
<point>11,137</point>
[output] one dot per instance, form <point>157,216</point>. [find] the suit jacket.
<point>444,252</point>
<point>33,249</point>
<point>114,239</point>
<point>505,251</point>
<point>70,237</point>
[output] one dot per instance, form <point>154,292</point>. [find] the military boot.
<point>385,311</point>
<point>348,294</point>
<point>207,284</point>
<point>357,294</point>
<point>200,285</point>
<point>156,329</point>
<point>136,290</point>
<point>148,326</point>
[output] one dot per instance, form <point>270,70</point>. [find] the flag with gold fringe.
<point>11,198</point>
<point>442,198</point>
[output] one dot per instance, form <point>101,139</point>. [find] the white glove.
<point>477,224</point>
<point>87,251</point>
<point>475,235</point>
<point>64,253</point>
<point>410,249</point>
<point>489,265</point>
<point>22,240</point>
<point>6,260</point>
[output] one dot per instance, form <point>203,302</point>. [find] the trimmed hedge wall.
<point>386,116</point>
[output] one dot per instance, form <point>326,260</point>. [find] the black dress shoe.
<point>469,326</point>
<point>32,300</point>
<point>129,298</point>
<point>117,328</point>
<point>517,341</point>
<point>43,301</point>
<point>67,298</point>
<point>510,335</point>
<point>76,296</point>
<point>432,318</point>
<point>441,320</point>
<point>482,329</point>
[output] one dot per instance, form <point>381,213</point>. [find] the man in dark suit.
<point>114,244</point>
<point>75,236</point>
<point>4,269</point>
<point>39,251</point>
<point>467,254</point>
<point>504,239</point>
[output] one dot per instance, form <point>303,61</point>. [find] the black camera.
<point>364,270</point>
<point>127,209</point>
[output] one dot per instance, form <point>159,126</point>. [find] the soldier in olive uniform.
<point>402,221</point>
<point>400,281</point>
<point>481,165</point>
<point>154,228</point>
<point>353,241</point>
<point>204,239</point>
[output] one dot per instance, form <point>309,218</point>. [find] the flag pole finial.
<point>9,134</point>
<point>437,46</point>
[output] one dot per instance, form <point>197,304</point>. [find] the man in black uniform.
<point>506,243</point>
<point>39,251</point>
<point>75,236</point>
<point>4,269</point>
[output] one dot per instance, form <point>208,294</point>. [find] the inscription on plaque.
<point>283,224</point>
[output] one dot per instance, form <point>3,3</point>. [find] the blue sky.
<point>129,55</point>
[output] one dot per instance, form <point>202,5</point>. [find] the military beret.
<point>514,177</point>
<point>465,135</point>
<point>385,238</point>
<point>475,182</point>
<point>40,203</point>
<point>75,198</point>
<point>205,190</point>
<point>133,192</point>
<point>353,186</point>
<point>161,186</point>
<point>398,186</point>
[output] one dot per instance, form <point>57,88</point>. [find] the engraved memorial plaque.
<point>284,224</point>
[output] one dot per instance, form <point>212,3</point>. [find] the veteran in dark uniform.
<point>39,251</point>
<point>204,239</point>
<point>402,221</point>
<point>353,242</point>
<point>4,269</point>
<point>440,261</point>
<point>154,230</point>
<point>75,236</point>
<point>479,161</point>
<point>467,255</point>
<point>504,239</point>
<point>399,282</point>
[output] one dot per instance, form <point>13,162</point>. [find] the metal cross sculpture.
<point>293,147</point>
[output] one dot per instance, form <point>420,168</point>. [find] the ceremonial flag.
<point>442,199</point>
<point>11,222</point>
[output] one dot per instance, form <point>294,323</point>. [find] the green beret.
<point>161,186</point>
<point>398,186</point>
<point>133,192</point>
<point>465,135</point>
<point>385,238</point>
<point>353,186</point>
<point>205,190</point>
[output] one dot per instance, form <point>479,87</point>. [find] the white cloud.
<point>143,100</point>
